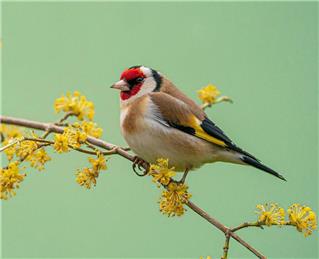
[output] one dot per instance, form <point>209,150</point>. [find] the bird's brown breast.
<point>131,114</point>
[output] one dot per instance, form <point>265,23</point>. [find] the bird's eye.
<point>139,79</point>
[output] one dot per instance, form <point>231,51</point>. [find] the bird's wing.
<point>177,114</point>
<point>169,88</point>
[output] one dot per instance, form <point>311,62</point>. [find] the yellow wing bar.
<point>199,132</point>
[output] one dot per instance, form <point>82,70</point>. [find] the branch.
<point>218,100</point>
<point>226,246</point>
<point>49,127</point>
<point>223,228</point>
<point>246,225</point>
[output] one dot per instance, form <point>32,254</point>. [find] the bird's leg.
<point>139,163</point>
<point>184,176</point>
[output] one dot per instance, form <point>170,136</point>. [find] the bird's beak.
<point>121,85</point>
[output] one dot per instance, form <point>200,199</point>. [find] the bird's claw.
<point>138,162</point>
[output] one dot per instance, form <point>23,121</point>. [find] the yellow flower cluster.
<point>175,195</point>
<point>73,136</point>
<point>10,178</point>
<point>10,151</point>
<point>271,214</point>
<point>61,143</point>
<point>10,135</point>
<point>161,172</point>
<point>23,150</point>
<point>303,218</point>
<point>75,103</point>
<point>208,257</point>
<point>10,132</point>
<point>99,163</point>
<point>208,94</point>
<point>17,145</point>
<point>87,176</point>
<point>90,128</point>
<point>30,151</point>
<point>39,158</point>
<point>173,199</point>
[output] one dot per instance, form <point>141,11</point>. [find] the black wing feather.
<point>210,128</point>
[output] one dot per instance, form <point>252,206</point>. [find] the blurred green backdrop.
<point>263,55</point>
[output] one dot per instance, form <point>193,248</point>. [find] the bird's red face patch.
<point>132,73</point>
<point>134,77</point>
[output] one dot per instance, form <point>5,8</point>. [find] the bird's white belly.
<point>154,140</point>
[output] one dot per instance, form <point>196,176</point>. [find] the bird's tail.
<point>255,163</point>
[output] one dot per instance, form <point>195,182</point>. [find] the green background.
<point>263,55</point>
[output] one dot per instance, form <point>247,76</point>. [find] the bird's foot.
<point>138,162</point>
<point>182,181</point>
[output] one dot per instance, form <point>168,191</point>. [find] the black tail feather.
<point>255,163</point>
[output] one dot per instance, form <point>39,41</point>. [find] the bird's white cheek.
<point>148,86</point>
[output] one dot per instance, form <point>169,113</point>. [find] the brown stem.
<point>25,157</point>
<point>222,228</point>
<point>108,146</point>
<point>247,224</point>
<point>218,100</point>
<point>226,246</point>
<point>48,142</point>
<point>206,105</point>
<point>65,117</point>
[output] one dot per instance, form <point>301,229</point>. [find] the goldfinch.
<point>159,121</point>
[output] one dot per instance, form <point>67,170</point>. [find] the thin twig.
<point>25,157</point>
<point>65,117</point>
<point>222,228</point>
<point>218,100</point>
<point>113,151</point>
<point>206,105</point>
<point>247,224</point>
<point>59,123</point>
<point>226,246</point>
<point>49,142</point>
<point>108,146</point>
<point>37,140</point>
<point>10,144</point>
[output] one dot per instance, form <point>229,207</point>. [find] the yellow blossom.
<point>10,179</point>
<point>87,177</point>
<point>9,151</point>
<point>208,257</point>
<point>77,104</point>
<point>208,94</point>
<point>10,135</point>
<point>270,214</point>
<point>10,132</point>
<point>99,163</point>
<point>39,158</point>
<point>303,218</point>
<point>25,149</point>
<point>61,143</point>
<point>173,199</point>
<point>161,172</point>
<point>74,136</point>
<point>90,128</point>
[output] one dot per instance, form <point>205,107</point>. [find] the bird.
<point>158,120</point>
